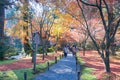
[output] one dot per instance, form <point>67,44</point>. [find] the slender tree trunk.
<point>41,41</point>
<point>32,41</point>
<point>2,14</point>
<point>43,52</point>
<point>84,50</point>
<point>46,49</point>
<point>112,47</point>
<point>107,62</point>
<point>26,43</point>
<point>107,65</point>
<point>84,43</point>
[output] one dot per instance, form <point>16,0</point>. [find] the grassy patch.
<point>42,67</point>
<point>7,61</point>
<point>16,74</point>
<point>80,60</point>
<point>19,74</point>
<point>86,74</point>
<point>85,71</point>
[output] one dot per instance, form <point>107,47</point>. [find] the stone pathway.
<point>65,69</point>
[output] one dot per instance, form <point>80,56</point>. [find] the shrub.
<point>90,45</point>
<point>3,48</point>
<point>11,51</point>
<point>6,48</point>
<point>40,50</point>
<point>51,49</point>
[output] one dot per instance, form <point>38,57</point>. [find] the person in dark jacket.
<point>65,50</point>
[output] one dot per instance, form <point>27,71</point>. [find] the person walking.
<point>74,51</point>
<point>65,50</point>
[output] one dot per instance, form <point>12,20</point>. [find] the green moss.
<point>80,61</point>
<point>8,75</point>
<point>86,72</point>
<point>7,61</point>
<point>87,76</point>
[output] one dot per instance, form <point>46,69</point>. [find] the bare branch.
<point>102,16</point>
<point>116,27</point>
<point>75,18</point>
<point>97,47</point>
<point>108,13</point>
<point>94,5</point>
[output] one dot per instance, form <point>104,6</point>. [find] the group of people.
<point>69,49</point>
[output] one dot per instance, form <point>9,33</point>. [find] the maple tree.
<point>25,26</point>
<point>45,20</point>
<point>110,22</point>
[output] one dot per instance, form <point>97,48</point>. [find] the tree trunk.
<point>84,44</point>
<point>25,12</point>
<point>43,57</point>
<point>45,47</point>
<point>84,50</point>
<point>2,14</point>
<point>107,62</point>
<point>43,52</point>
<point>112,47</point>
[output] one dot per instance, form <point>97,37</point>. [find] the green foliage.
<point>3,48</point>
<point>117,47</point>
<point>18,44</point>
<point>11,53</point>
<point>51,49</point>
<point>43,66</point>
<point>27,48</point>
<point>80,61</point>
<point>40,50</point>
<point>86,72</point>
<point>10,75</point>
<point>89,46</point>
<point>89,77</point>
<point>7,61</point>
<point>19,74</point>
<point>16,74</point>
<point>6,48</point>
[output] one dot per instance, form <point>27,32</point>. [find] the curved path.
<point>65,69</point>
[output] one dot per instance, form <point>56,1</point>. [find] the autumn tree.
<point>26,26</point>
<point>110,23</point>
<point>44,18</point>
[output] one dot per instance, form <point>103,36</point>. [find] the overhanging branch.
<point>94,5</point>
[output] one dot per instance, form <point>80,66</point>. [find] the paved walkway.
<point>65,69</point>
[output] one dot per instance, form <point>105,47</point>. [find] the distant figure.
<point>70,49</point>
<point>74,50</point>
<point>65,50</point>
